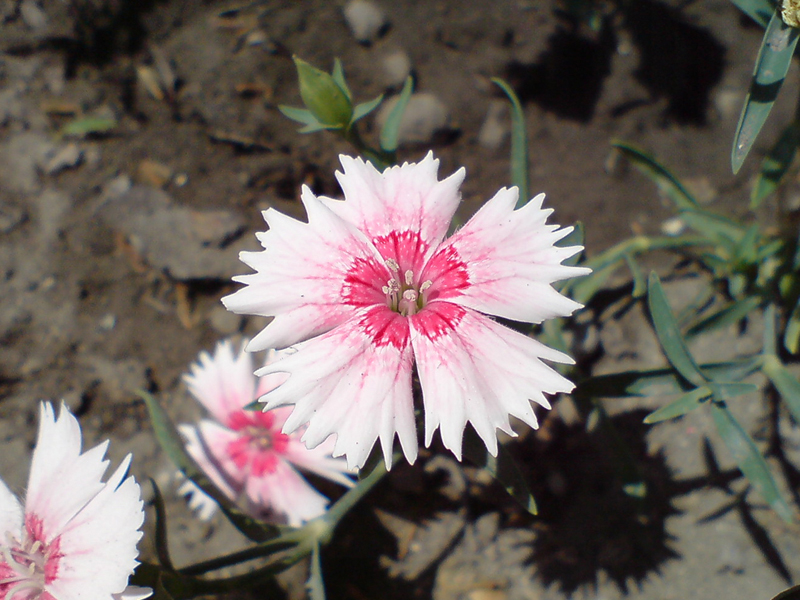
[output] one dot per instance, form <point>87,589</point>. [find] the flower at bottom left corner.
<point>74,536</point>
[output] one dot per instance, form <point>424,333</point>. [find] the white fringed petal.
<point>512,259</point>
<point>407,197</point>
<point>479,372</point>
<point>222,383</point>
<point>343,383</point>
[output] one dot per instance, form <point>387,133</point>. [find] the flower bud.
<point>326,100</point>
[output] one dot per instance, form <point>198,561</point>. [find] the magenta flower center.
<point>259,445</point>
<point>27,564</point>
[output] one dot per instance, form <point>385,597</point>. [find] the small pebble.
<point>495,125</point>
<point>154,173</point>
<point>425,114</point>
<point>396,68</point>
<point>32,14</point>
<point>365,19</point>
<point>65,158</point>
<point>673,226</point>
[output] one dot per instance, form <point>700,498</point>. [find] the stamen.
<point>392,264</point>
<point>409,277</point>
<point>425,285</point>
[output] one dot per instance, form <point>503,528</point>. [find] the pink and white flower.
<point>370,286</point>
<point>244,452</point>
<point>75,537</point>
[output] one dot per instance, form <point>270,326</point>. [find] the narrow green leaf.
<point>669,335</point>
<point>669,185</point>
<point>758,10</point>
<point>731,313</point>
<point>363,109</point>
<point>749,459</point>
<point>87,126</point>
<point>338,77</point>
<point>772,63</point>
<point>171,443</point>
<point>661,381</point>
<point>519,143</point>
<point>315,584</point>
<point>503,468</point>
<point>723,230</point>
<point>301,115</point>
<point>746,252</point>
<point>639,282</point>
<point>786,384</point>
<point>677,408</point>
<point>161,542</point>
<point>314,127</point>
<point>389,133</point>
<point>726,391</point>
<point>791,337</point>
<point>775,165</point>
<point>584,288</point>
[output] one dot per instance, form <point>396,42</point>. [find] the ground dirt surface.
<point>116,248</point>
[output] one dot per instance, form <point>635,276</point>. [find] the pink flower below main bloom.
<point>75,538</point>
<point>244,452</point>
<point>370,286</point>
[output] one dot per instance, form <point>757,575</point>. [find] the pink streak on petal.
<point>35,530</point>
<point>406,247</point>
<point>437,319</point>
<point>447,273</point>
<point>363,283</point>
<point>384,327</point>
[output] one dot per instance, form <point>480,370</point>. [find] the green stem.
<point>346,502</point>
<point>295,544</point>
<point>239,557</point>
<point>381,160</point>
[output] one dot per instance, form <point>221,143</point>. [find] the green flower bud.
<point>326,100</point>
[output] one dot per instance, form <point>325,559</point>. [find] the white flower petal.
<point>318,460</point>
<point>134,592</point>
<point>511,260</point>
<point>57,464</point>
<point>301,274</point>
<point>347,383</point>
<point>475,370</point>
<point>207,444</point>
<point>99,543</point>
<point>285,492</point>
<point>223,383</point>
<point>10,511</point>
<point>408,197</point>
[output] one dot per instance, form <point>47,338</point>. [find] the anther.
<point>409,277</point>
<point>392,264</point>
<point>425,285</point>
